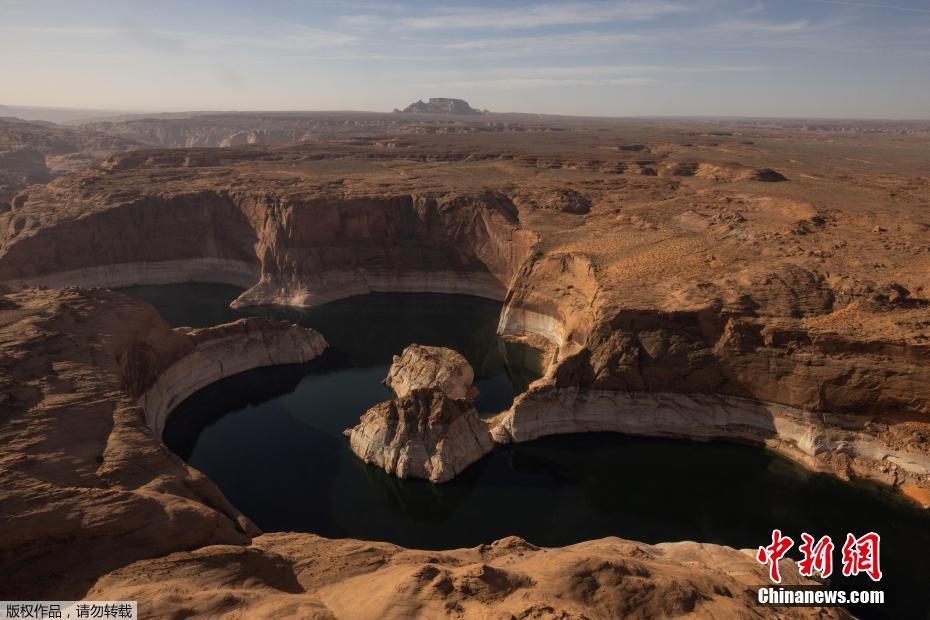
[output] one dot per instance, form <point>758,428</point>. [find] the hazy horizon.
<point>74,115</point>
<point>826,59</point>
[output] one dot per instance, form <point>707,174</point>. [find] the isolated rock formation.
<point>441,105</point>
<point>431,428</point>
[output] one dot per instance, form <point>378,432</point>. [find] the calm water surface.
<point>272,440</point>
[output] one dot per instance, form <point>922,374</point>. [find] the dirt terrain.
<point>737,280</point>
<point>36,152</point>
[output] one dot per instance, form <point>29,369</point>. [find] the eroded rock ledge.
<point>222,351</point>
<point>431,428</point>
<point>835,444</point>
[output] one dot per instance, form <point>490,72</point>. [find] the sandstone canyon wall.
<point>286,250</point>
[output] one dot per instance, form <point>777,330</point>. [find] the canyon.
<point>760,286</point>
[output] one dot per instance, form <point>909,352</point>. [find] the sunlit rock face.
<point>431,367</point>
<point>431,429</point>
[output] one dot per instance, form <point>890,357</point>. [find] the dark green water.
<point>272,440</point>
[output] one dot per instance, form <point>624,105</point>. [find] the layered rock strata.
<point>286,249</point>
<point>836,445</point>
<point>851,407</point>
<point>431,428</point>
<point>223,351</point>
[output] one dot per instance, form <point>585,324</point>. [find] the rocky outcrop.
<point>779,378</point>
<point>420,367</point>
<point>431,429</point>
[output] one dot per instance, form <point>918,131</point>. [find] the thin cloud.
<point>541,15</point>
<point>299,37</point>
<point>560,43</point>
<point>616,71</point>
<point>511,78</point>
<point>747,26</point>
<point>286,37</point>
<point>519,83</point>
<point>872,5</point>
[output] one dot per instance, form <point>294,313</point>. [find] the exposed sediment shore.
<point>339,285</point>
<point>223,351</point>
<point>837,445</point>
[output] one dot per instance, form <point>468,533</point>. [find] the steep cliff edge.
<point>327,247</point>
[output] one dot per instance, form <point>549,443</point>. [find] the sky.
<point>781,58</point>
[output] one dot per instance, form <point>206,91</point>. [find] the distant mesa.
<point>441,105</point>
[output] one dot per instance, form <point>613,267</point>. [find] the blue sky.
<point>825,58</point>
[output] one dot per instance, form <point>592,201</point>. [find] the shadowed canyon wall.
<point>294,252</point>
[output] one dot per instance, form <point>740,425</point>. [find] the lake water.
<point>271,439</point>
